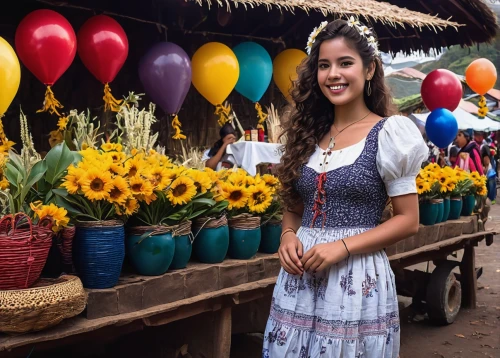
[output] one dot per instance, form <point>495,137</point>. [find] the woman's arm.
<point>402,225</point>
<point>212,162</point>
<point>291,249</point>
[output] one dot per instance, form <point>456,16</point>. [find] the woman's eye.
<point>345,64</point>
<point>323,65</point>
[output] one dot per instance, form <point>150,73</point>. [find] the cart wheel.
<point>444,294</point>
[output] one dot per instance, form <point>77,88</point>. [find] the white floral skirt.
<point>348,310</point>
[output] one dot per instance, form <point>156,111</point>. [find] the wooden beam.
<point>222,340</point>
<point>469,278</point>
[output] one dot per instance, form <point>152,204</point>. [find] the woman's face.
<point>341,74</point>
<point>461,140</point>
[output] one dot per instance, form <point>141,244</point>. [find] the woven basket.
<point>23,250</point>
<point>40,307</point>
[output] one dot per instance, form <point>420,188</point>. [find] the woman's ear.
<point>371,70</point>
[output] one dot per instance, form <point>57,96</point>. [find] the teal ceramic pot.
<point>455,208</point>
<point>446,209</point>
<point>440,213</point>
<point>183,249</point>
<point>243,243</point>
<point>153,255</point>
<point>270,238</point>
<point>211,244</point>
<point>469,201</point>
<point>428,212</point>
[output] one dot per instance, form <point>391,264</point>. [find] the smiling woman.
<point>345,154</point>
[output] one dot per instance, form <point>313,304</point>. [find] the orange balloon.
<point>481,75</point>
<point>285,69</point>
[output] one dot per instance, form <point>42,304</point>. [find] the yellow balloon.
<point>285,69</point>
<point>215,71</point>
<point>10,75</point>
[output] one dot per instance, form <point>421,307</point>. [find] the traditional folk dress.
<point>350,309</point>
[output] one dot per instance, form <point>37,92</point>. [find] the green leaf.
<point>66,205</point>
<point>60,191</point>
<point>58,159</point>
<point>77,158</point>
<point>35,175</point>
<point>12,175</point>
<point>16,160</point>
<point>204,201</point>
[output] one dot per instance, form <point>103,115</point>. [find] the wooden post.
<point>469,278</point>
<point>222,341</point>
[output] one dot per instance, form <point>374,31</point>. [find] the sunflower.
<point>120,191</point>
<point>118,169</point>
<point>72,179</point>
<point>475,176</point>
<point>423,186</point>
<point>148,199</point>
<point>159,177</point>
<point>260,198</point>
<point>483,191</point>
<point>445,182</point>
<point>450,185</point>
<point>211,173</point>
<point>56,214</point>
<point>131,206</point>
<point>62,123</point>
<point>136,165</point>
<point>236,195</point>
<point>237,179</point>
<point>175,172</point>
<point>4,183</point>
<point>108,147</point>
<point>117,157</point>
<point>140,186</point>
<point>94,160</point>
<point>270,180</point>
<point>182,190</point>
<point>96,184</point>
<point>201,180</point>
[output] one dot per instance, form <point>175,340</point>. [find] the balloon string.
<point>223,113</point>
<point>50,104</point>
<point>483,108</point>
<point>176,124</point>
<point>260,115</point>
<point>110,102</point>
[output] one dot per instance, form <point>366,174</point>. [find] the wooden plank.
<point>222,341</point>
<point>80,325</point>
<point>436,246</point>
<point>469,277</point>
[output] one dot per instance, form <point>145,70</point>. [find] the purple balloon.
<point>165,72</point>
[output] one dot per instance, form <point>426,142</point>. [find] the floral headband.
<point>352,22</point>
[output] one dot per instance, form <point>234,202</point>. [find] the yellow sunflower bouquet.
<point>428,182</point>
<point>478,186</point>
<point>244,193</point>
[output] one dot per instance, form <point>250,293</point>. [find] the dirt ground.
<point>474,334</point>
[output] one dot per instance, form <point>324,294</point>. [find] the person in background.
<point>489,164</point>
<point>216,157</point>
<point>453,150</point>
<point>469,157</point>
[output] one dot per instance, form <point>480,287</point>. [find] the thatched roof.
<point>400,24</point>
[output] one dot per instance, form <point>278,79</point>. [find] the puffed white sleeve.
<point>205,156</point>
<point>401,151</point>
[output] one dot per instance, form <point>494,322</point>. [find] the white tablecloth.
<point>250,154</point>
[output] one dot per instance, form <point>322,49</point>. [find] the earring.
<point>369,89</point>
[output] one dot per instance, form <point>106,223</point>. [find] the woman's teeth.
<point>336,88</point>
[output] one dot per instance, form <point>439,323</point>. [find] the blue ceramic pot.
<point>469,201</point>
<point>211,244</point>
<point>455,208</point>
<point>183,249</point>
<point>243,243</point>
<point>152,255</point>
<point>446,209</point>
<point>270,238</point>
<point>98,253</point>
<point>428,212</point>
<point>440,213</point>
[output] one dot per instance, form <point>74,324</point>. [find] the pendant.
<point>331,145</point>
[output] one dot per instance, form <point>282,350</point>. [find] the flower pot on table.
<point>270,237</point>
<point>211,241</point>
<point>244,237</point>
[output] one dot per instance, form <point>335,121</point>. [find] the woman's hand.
<point>290,252</point>
<point>229,139</point>
<point>322,256</point>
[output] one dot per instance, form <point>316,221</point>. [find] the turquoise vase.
<point>270,238</point>
<point>211,244</point>
<point>183,249</point>
<point>455,208</point>
<point>150,255</point>
<point>440,213</point>
<point>428,211</point>
<point>446,209</point>
<point>469,201</point>
<point>243,243</point>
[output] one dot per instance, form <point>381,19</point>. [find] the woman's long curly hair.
<point>313,114</point>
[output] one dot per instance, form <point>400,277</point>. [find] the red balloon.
<point>103,47</point>
<point>46,44</point>
<point>441,89</point>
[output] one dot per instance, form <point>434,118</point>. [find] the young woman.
<point>216,157</point>
<point>469,156</point>
<point>345,155</point>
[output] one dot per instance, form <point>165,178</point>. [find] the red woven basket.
<point>24,248</point>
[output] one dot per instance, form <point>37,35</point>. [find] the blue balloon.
<point>256,70</point>
<point>441,127</point>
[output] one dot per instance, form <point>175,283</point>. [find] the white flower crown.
<point>352,22</point>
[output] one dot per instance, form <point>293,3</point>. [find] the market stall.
<point>148,236</point>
